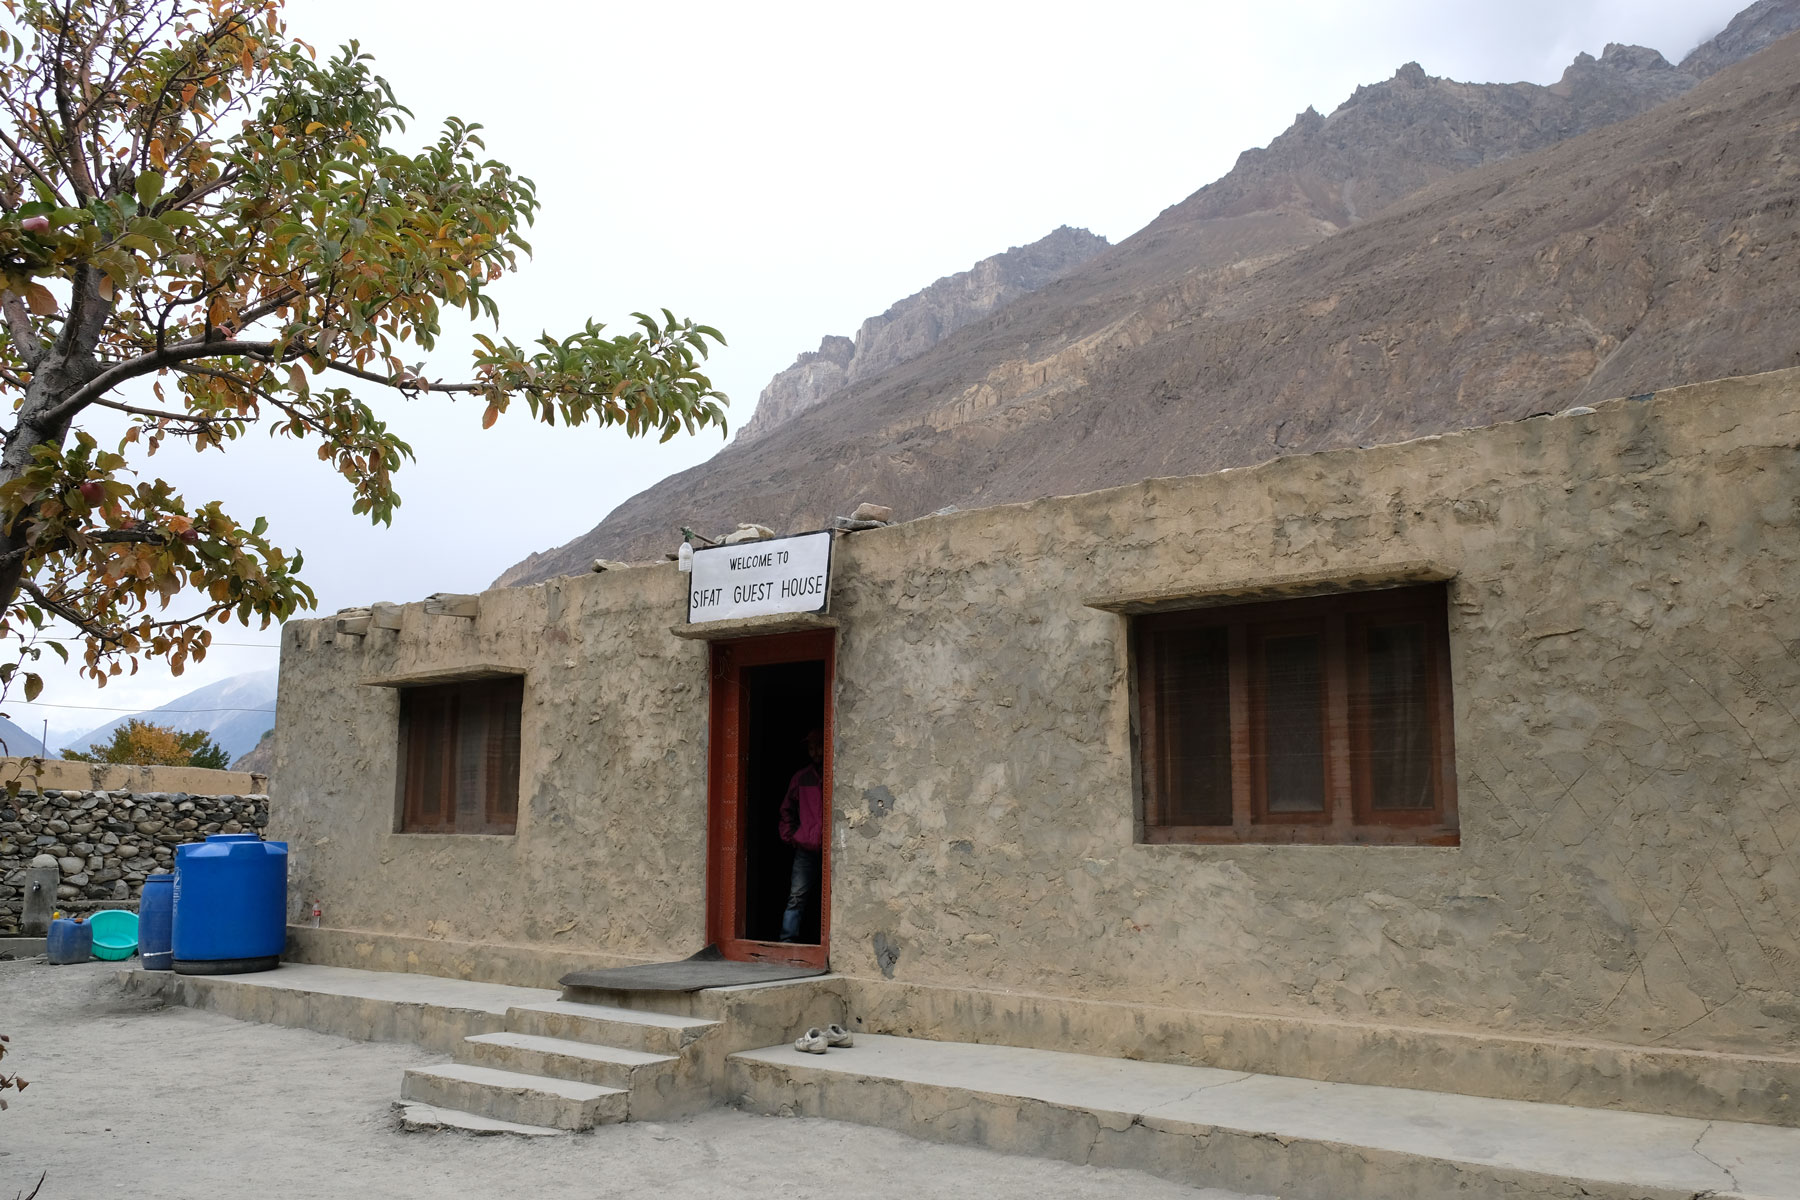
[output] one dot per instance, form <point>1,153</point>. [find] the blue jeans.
<point>801,885</point>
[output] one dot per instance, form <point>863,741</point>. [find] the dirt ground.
<point>132,1099</point>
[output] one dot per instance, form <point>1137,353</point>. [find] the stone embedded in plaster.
<point>880,800</point>
<point>887,953</point>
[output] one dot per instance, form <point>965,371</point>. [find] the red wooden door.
<point>727,801</point>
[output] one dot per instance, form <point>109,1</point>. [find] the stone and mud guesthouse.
<point>1465,764</point>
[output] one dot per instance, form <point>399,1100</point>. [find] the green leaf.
<point>33,686</point>
<point>149,187</point>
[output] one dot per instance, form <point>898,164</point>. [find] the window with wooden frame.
<point>1326,719</point>
<point>459,756</point>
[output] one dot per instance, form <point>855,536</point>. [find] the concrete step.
<point>423,1118</point>
<point>560,1058</point>
<point>1298,1138</point>
<point>750,1014</point>
<point>376,1006</point>
<point>658,1086</point>
<point>514,1097</point>
<point>603,1025</point>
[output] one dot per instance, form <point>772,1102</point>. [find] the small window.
<point>459,757</point>
<point>1319,720</point>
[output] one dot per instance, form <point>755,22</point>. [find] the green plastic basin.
<point>115,933</point>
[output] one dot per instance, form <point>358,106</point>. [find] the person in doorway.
<point>802,825</point>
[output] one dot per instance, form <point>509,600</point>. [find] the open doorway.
<point>769,827</point>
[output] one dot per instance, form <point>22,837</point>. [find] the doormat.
<point>707,969</point>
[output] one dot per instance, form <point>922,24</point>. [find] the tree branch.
<point>73,616</point>
<point>287,294</point>
<point>74,152</point>
<point>25,160</point>
<point>90,627</point>
<point>416,385</point>
<point>18,322</point>
<point>177,417</point>
<point>146,364</point>
<point>240,381</point>
<point>140,537</point>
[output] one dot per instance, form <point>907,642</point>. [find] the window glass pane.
<point>1398,718</point>
<point>471,761</point>
<point>1294,723</point>
<point>1193,706</point>
<point>503,758</point>
<point>426,718</point>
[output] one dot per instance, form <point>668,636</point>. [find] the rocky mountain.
<point>916,324</point>
<point>16,741</point>
<point>1431,255</point>
<point>261,758</point>
<point>1759,26</point>
<point>236,711</point>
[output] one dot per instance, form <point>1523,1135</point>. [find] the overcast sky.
<point>782,171</point>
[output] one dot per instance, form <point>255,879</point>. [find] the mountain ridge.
<point>911,326</point>
<point>234,711</point>
<point>17,743</point>
<point>1157,356</point>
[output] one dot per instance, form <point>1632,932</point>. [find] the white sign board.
<point>757,579</point>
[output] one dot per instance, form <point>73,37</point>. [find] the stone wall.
<point>105,842</point>
<point>1627,749</point>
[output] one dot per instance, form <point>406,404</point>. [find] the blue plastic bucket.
<point>156,923</point>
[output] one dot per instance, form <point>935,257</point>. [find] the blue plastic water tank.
<point>156,923</point>
<point>230,905</point>
<point>70,941</point>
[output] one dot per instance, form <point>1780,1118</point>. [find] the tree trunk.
<point>65,365</point>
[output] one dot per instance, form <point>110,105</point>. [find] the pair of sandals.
<point>816,1040</point>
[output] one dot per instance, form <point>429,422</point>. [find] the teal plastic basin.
<point>115,933</point>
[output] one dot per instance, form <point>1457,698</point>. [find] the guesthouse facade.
<point>1470,755</point>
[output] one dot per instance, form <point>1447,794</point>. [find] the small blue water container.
<point>70,941</point>
<point>230,905</point>
<point>156,923</point>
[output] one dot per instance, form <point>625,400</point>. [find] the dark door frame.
<point>725,800</point>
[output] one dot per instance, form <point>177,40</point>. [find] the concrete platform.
<point>375,1006</point>
<point>1301,1139</point>
<point>1667,1080</point>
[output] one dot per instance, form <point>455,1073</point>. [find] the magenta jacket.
<point>802,818</point>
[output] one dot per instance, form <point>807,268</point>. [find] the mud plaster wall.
<point>1625,661</point>
<point>610,849</point>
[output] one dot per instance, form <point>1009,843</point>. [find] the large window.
<point>1319,720</point>
<point>459,757</point>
